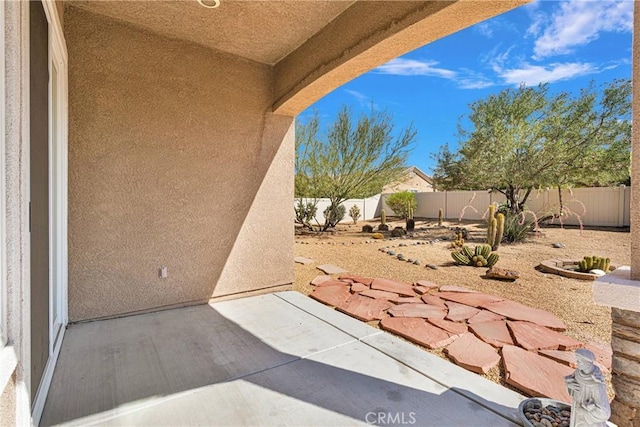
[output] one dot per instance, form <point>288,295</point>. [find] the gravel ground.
<point>570,299</point>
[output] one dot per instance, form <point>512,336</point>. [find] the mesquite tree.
<point>525,138</point>
<point>355,158</point>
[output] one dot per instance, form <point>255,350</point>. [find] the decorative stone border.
<point>556,266</point>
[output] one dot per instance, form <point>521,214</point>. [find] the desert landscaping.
<point>570,300</point>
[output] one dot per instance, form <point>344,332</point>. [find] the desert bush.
<point>517,227</point>
<point>334,214</point>
<point>354,213</point>
<point>305,212</point>
<point>402,203</point>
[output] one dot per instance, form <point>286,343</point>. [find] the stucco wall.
<point>174,160</point>
<point>635,153</point>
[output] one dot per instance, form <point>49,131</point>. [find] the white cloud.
<point>412,67</point>
<point>362,99</point>
<point>532,75</point>
<point>577,23</point>
<point>484,29</point>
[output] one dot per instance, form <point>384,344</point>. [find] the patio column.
<point>625,328</point>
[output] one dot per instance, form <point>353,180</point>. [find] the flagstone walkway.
<point>476,330</point>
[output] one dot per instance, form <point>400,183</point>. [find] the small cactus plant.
<point>589,263</point>
<point>440,217</point>
<point>495,228</point>
<point>377,236</point>
<point>354,213</point>
<point>459,241</point>
<point>383,221</point>
<point>410,223</point>
<point>481,256</point>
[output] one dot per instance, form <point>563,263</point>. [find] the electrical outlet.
<point>163,273</point>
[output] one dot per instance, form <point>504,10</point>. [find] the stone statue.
<point>586,386</point>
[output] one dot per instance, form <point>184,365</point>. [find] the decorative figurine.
<point>590,403</point>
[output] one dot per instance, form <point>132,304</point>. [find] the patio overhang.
<point>313,46</point>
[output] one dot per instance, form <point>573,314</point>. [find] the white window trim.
<point>4,297</point>
<point>58,54</point>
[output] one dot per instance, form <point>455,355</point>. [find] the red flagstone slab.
<point>602,352</point>
<point>372,293</point>
<point>407,300</point>
<point>401,288</point>
<point>347,281</point>
<point>332,283</point>
<point>421,290</point>
<point>534,374</point>
<point>427,284</point>
<point>494,333</point>
<point>363,280</point>
<point>565,357</point>
<point>535,337</point>
<point>358,287</point>
<point>516,311</point>
<point>454,328</point>
<point>417,310</point>
<point>319,279</point>
<point>460,312</point>
<point>433,300</point>
<point>472,299</point>
<point>365,309</point>
<point>417,331</point>
<point>484,316</point>
<point>472,354</point>
<point>331,295</point>
<point>331,269</point>
<point>453,288</point>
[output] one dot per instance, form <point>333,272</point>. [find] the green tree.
<point>525,138</point>
<point>355,159</point>
<point>401,203</point>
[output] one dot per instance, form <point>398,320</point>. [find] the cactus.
<point>383,217</point>
<point>485,250</point>
<point>492,212</point>
<point>459,258</point>
<point>480,256</point>
<point>466,250</point>
<point>492,259</point>
<point>492,230</point>
<point>589,263</point>
<point>377,236</point>
<point>499,232</point>
<point>440,217</point>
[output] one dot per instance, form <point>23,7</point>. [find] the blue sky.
<point>564,43</point>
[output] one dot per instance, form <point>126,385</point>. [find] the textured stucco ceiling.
<point>263,31</point>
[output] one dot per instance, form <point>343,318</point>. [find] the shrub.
<point>354,213</point>
<point>402,203</point>
<point>334,214</point>
<point>517,227</point>
<point>377,236</point>
<point>305,212</point>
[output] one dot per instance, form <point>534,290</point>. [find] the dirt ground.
<point>570,299</point>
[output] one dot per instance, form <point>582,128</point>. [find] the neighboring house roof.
<point>418,172</point>
<point>408,181</point>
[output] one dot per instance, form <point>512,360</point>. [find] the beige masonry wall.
<point>174,160</point>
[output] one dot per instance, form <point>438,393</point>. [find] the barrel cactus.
<point>480,256</point>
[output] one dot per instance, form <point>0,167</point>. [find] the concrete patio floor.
<point>276,359</point>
